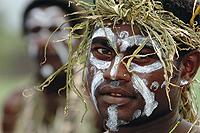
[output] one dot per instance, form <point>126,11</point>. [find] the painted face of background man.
<point>124,95</point>
<point>41,23</point>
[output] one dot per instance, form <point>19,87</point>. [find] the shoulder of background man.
<point>188,127</point>
<point>195,129</point>
<point>12,107</point>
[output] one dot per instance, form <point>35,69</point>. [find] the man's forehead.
<point>131,29</point>
<point>123,37</point>
<point>45,16</point>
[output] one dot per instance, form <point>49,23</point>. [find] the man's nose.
<point>44,34</point>
<point>117,71</point>
<point>44,37</point>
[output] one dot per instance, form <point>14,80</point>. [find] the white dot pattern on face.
<point>148,96</point>
<point>154,86</point>
<point>123,34</point>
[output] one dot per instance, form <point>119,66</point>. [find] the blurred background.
<point>15,68</point>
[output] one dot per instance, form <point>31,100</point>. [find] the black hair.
<point>67,6</point>
<point>183,9</point>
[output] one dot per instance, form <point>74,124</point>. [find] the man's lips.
<point>117,95</point>
<point>116,100</point>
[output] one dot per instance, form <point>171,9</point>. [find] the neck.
<point>161,125</point>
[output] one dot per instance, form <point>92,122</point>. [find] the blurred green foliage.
<point>15,65</point>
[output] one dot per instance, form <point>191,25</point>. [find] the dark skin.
<point>126,97</point>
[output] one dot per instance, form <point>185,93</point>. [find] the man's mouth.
<point>117,96</point>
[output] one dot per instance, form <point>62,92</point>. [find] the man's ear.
<point>190,64</point>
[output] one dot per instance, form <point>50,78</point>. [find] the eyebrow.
<point>130,49</point>
<point>101,40</point>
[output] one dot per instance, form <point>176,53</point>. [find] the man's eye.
<point>145,59</point>
<point>35,29</point>
<point>104,51</point>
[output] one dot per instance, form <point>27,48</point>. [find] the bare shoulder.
<point>14,102</point>
<point>187,127</point>
<point>12,107</point>
<point>195,129</point>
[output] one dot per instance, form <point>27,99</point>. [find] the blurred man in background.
<point>42,112</point>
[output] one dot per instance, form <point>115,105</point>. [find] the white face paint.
<point>112,122</point>
<point>115,66</point>
<point>137,114</point>
<point>136,40</point>
<point>45,17</point>
<point>146,69</point>
<point>128,42</point>
<point>124,38</point>
<point>148,96</point>
<point>33,48</point>
<point>97,80</point>
<point>123,34</point>
<point>46,70</point>
<point>106,32</point>
<point>61,51</point>
<point>99,64</point>
<point>154,86</point>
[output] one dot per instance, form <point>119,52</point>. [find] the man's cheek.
<point>154,86</point>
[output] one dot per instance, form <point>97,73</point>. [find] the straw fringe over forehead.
<point>172,35</point>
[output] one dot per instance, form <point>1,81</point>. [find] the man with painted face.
<point>142,58</point>
<point>42,18</point>
<point>40,21</point>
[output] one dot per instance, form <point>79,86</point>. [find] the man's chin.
<point>108,123</point>
<point>125,122</point>
<point>122,117</point>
